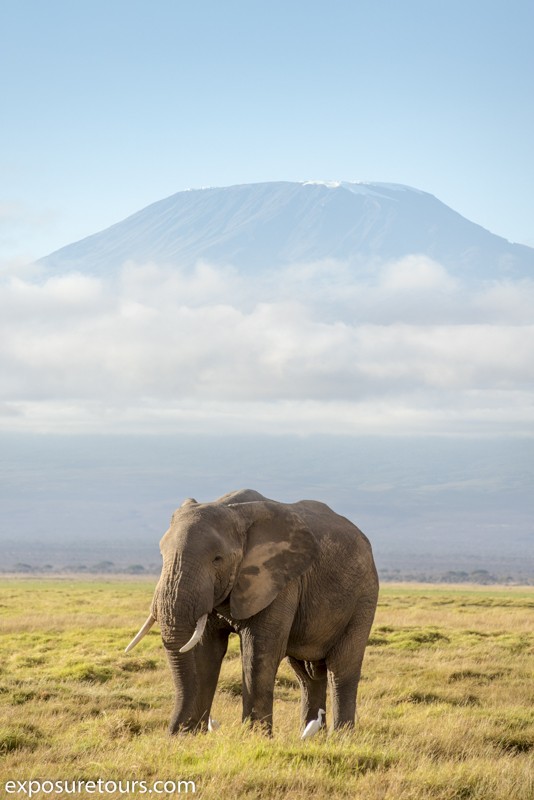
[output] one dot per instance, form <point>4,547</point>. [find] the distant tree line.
<point>100,568</point>
<point>478,576</point>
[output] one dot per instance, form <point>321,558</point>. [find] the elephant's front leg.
<point>263,646</point>
<point>259,672</point>
<point>209,654</point>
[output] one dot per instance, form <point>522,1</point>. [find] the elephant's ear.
<point>278,548</point>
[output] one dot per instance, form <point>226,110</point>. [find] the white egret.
<point>213,725</point>
<point>313,725</point>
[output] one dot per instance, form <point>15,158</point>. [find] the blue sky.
<point>108,106</point>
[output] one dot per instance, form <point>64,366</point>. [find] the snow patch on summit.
<point>365,187</point>
<point>328,184</point>
<point>378,189</point>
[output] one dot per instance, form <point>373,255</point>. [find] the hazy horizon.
<point>428,504</point>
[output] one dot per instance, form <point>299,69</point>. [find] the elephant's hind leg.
<point>312,679</point>
<point>344,665</point>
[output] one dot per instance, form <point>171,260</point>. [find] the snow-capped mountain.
<point>267,225</point>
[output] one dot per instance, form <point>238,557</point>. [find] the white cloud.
<point>406,349</point>
<point>508,301</point>
<point>416,273</point>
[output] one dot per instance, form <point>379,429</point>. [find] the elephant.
<point>294,580</point>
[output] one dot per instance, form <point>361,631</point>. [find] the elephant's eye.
<point>217,560</point>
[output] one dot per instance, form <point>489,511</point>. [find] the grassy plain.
<point>446,701</point>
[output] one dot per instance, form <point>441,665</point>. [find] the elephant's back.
<point>328,526</point>
<point>240,496</point>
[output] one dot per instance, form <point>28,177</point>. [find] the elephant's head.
<point>244,553</point>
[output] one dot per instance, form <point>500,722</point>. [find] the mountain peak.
<point>269,225</point>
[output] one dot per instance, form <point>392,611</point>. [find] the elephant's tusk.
<point>143,632</point>
<point>199,630</point>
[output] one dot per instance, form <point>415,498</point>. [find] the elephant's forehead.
<point>190,535</point>
<point>192,528</point>
<point>190,516</point>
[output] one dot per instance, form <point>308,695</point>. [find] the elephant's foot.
<point>260,724</point>
<point>179,726</point>
<point>183,730</point>
<point>346,726</point>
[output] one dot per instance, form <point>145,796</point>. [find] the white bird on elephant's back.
<point>314,725</point>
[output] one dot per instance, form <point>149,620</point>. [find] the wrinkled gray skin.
<point>292,580</point>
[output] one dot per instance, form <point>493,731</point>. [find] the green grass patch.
<point>19,737</point>
<point>445,704</point>
<point>407,638</point>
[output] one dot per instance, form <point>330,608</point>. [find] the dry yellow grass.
<point>445,713</point>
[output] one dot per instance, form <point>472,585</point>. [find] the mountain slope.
<point>266,225</point>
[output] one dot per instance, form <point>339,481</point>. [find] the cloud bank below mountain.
<point>404,348</point>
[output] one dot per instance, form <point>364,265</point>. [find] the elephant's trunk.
<point>186,715</point>
<point>182,621</point>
